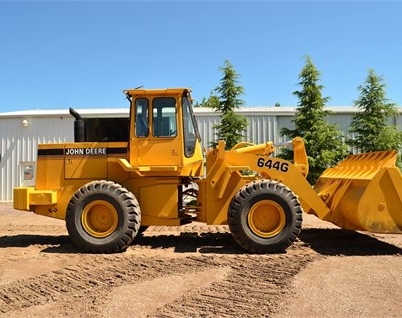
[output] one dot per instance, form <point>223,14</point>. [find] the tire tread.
<point>237,207</point>
<point>130,206</point>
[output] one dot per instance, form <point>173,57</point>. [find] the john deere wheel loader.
<point>106,190</point>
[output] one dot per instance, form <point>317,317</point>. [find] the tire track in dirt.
<point>96,274</point>
<point>255,286</point>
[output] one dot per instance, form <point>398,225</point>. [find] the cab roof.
<point>156,92</point>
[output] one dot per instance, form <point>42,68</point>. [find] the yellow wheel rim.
<point>99,218</point>
<point>266,218</point>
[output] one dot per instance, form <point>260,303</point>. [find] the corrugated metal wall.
<point>18,144</point>
<point>262,126</point>
<point>205,125</point>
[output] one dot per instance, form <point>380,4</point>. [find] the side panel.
<point>50,167</point>
<point>63,169</point>
<point>158,198</point>
<point>85,161</point>
<point>159,201</point>
<point>50,176</point>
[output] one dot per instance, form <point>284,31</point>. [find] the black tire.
<point>265,216</point>
<point>103,217</point>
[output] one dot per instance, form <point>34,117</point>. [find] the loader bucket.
<point>363,192</point>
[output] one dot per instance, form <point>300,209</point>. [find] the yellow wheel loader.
<point>117,179</point>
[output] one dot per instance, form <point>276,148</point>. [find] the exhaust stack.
<point>79,127</point>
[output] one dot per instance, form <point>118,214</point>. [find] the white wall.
<point>18,144</point>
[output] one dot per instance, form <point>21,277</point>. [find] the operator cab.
<point>163,131</point>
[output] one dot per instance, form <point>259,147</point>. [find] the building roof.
<point>200,111</point>
<point>102,112</point>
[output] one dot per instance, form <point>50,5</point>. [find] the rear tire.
<point>265,216</point>
<point>103,217</point>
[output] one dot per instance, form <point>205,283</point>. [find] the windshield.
<point>190,128</point>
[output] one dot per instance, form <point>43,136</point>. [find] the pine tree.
<point>232,125</point>
<point>323,141</point>
<point>370,125</point>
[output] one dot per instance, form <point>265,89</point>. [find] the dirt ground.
<point>196,271</point>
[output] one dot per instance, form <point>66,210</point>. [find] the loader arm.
<point>225,176</point>
<point>293,175</point>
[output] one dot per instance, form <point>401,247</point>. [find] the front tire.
<point>103,217</point>
<point>265,216</point>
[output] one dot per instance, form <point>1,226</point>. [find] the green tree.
<point>232,125</point>
<point>370,126</point>
<point>323,141</point>
<point>212,101</point>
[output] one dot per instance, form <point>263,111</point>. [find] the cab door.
<point>156,141</point>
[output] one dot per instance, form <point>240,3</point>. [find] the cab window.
<point>190,128</point>
<point>164,117</point>
<point>141,117</point>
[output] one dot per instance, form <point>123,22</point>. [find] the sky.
<point>83,54</point>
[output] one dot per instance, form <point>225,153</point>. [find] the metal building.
<point>21,131</point>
